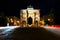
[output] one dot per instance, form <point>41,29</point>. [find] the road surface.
<point>45,33</point>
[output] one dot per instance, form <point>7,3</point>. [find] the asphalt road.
<point>32,34</point>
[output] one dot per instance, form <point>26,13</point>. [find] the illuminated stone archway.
<point>30,14</point>
<point>36,23</point>
<point>23,23</point>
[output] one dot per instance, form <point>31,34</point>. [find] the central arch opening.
<point>29,20</point>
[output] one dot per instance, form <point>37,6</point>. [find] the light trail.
<point>7,30</point>
<point>55,30</point>
<point>9,27</point>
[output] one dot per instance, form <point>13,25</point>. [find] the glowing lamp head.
<point>49,19</point>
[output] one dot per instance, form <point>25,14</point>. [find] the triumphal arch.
<point>30,17</point>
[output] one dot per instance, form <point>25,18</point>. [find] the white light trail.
<point>7,30</point>
<point>9,27</point>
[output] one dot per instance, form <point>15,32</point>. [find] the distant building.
<point>30,17</point>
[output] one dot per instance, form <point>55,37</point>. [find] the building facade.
<point>30,17</point>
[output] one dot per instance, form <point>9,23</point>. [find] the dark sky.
<point>13,7</point>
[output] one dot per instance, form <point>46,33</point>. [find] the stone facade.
<point>30,17</point>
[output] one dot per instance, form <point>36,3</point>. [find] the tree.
<point>52,15</point>
<point>3,20</point>
<point>52,12</point>
<point>2,14</point>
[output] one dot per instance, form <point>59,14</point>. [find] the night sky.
<point>12,8</point>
